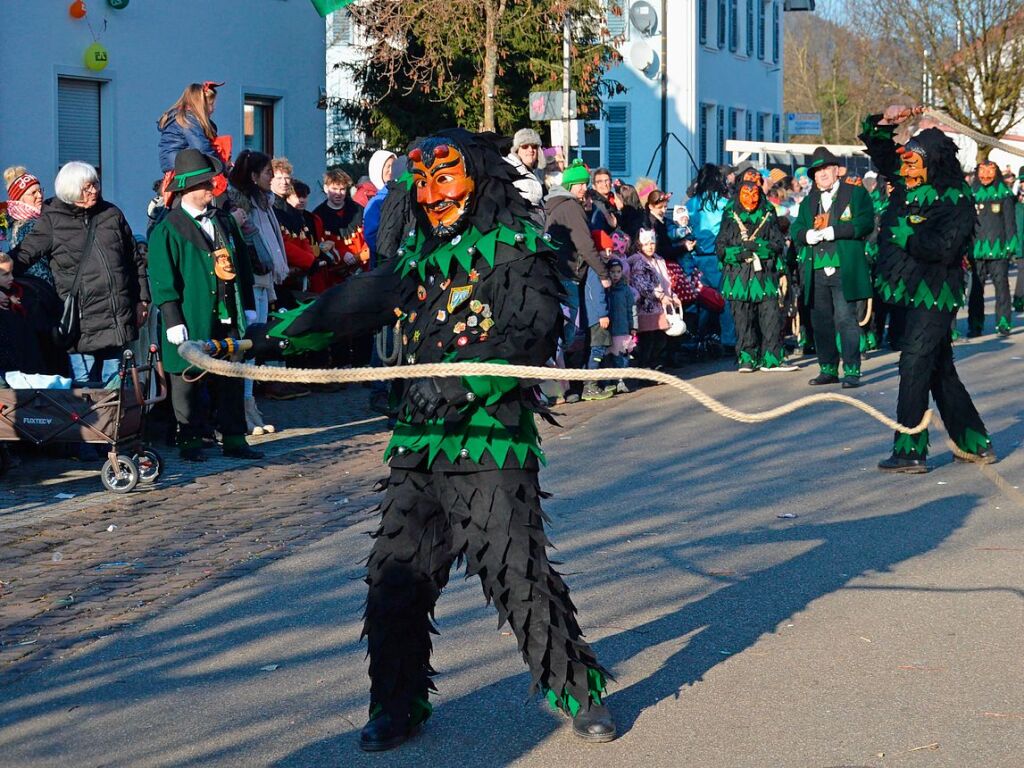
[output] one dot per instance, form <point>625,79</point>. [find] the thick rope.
<point>867,313</point>
<point>980,138</point>
<point>194,352</point>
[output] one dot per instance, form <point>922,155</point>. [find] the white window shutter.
<point>78,121</point>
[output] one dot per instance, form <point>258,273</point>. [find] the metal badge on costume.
<point>443,186</point>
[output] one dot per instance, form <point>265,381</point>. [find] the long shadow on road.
<point>730,619</point>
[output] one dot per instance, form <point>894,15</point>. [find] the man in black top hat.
<point>201,279</point>
<point>831,229</point>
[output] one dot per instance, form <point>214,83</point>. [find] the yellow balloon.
<point>96,57</point>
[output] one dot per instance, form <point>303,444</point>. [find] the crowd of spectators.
<point>641,265</point>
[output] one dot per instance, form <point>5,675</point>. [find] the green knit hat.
<point>577,173</point>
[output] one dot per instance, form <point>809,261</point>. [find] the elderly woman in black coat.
<point>91,252</point>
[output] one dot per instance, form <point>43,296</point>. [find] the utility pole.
<point>566,90</point>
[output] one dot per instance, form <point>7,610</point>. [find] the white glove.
<point>250,316</point>
<point>813,236</point>
<point>351,259</point>
<point>828,234</point>
<point>177,334</point>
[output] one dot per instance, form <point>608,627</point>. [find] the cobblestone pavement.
<point>77,562</point>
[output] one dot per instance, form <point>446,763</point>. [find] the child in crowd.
<point>651,284</point>
<point>19,348</point>
<point>622,319</point>
<point>595,316</point>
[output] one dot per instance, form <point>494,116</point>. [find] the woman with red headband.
<point>24,206</point>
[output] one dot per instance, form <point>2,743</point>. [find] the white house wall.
<point>271,48</point>
<point>698,74</point>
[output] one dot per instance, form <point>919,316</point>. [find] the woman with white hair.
<point>91,252</point>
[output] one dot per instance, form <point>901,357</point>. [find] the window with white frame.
<point>79,130</point>
<point>749,133</point>
<point>762,122</point>
<point>776,128</point>
<point>617,135</point>
<point>617,18</point>
<point>702,21</point>
<point>341,27</point>
<point>258,124</point>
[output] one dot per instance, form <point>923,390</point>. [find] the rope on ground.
<point>195,353</point>
<point>980,138</point>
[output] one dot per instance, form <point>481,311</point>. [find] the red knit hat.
<point>17,188</point>
<point>602,239</point>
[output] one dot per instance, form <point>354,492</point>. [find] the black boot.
<point>383,733</point>
<point>823,378</point>
<point>984,456</point>
<point>594,724</point>
<point>897,463</point>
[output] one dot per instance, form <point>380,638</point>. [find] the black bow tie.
<point>206,215</point>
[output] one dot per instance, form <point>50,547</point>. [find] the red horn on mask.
<point>441,150</point>
<point>416,155</point>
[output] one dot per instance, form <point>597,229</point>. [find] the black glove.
<point>428,397</point>
<point>263,346</point>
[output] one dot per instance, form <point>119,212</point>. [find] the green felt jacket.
<point>852,216</point>
<point>183,283</point>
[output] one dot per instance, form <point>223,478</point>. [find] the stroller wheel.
<point>122,478</point>
<point>150,465</point>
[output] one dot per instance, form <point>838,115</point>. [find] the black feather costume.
<point>924,236</point>
<point>463,484</point>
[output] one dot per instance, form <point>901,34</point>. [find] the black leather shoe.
<point>594,724</point>
<point>987,456</point>
<point>242,452</point>
<point>382,733</point>
<point>851,382</point>
<point>192,455</point>
<point>902,464</point>
<point>823,378</point>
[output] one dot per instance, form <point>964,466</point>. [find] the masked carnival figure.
<point>995,243</point>
<point>924,236</point>
<point>473,280</point>
<point>751,247</point>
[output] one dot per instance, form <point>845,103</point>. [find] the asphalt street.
<point>763,596</point>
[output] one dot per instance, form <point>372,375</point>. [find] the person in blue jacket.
<point>188,124</point>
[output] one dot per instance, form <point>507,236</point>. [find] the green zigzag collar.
<point>463,249</point>
<point>997,191</point>
<point>926,195</point>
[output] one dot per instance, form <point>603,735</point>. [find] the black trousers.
<point>926,366</point>
<point>758,332</point>
<point>983,270</point>
<point>491,520</point>
<point>227,398</point>
<point>1018,287</point>
<point>650,346</point>
<point>831,312</point>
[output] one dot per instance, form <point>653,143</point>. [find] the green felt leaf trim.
<point>297,345</point>
<point>911,445</point>
<point>973,441</point>
<point>463,249</point>
<point>596,686</point>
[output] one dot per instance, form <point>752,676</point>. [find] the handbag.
<point>69,328</point>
